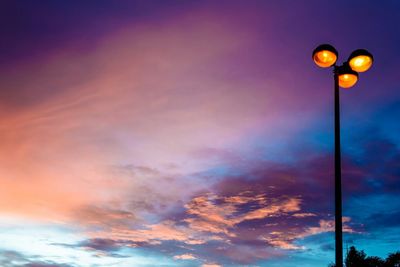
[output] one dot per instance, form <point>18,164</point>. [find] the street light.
<point>325,55</point>
<point>345,76</point>
<point>360,60</point>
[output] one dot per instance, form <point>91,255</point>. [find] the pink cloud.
<point>153,234</point>
<point>208,217</point>
<point>222,217</point>
<point>304,215</point>
<point>327,226</point>
<point>283,244</point>
<point>285,240</point>
<point>186,256</point>
<point>290,205</point>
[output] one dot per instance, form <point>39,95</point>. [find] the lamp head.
<point>347,76</point>
<point>325,55</point>
<point>360,60</point>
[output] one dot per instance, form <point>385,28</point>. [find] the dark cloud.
<point>372,167</point>
<point>10,258</point>
<point>109,246</point>
<point>375,168</point>
<point>383,220</point>
<point>328,247</point>
<point>101,244</point>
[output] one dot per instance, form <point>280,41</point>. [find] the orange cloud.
<point>210,218</point>
<point>304,215</point>
<point>327,226</point>
<point>153,234</point>
<point>283,244</point>
<point>284,240</point>
<point>290,205</point>
<point>221,218</point>
<point>185,257</point>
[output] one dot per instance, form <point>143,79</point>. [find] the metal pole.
<point>338,179</point>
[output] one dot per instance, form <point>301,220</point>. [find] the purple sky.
<point>193,133</point>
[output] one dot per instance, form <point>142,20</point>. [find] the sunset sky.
<point>193,133</point>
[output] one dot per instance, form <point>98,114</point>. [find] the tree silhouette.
<point>393,260</point>
<point>356,258</point>
<point>374,262</point>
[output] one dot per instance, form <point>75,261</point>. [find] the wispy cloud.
<point>212,218</point>
<point>285,240</point>
<point>185,257</point>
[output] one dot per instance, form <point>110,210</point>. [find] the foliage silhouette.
<point>356,258</point>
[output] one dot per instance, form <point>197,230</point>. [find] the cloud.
<point>384,219</point>
<point>327,226</point>
<point>285,240</point>
<point>304,215</point>
<point>219,215</point>
<point>185,257</point>
<point>245,220</point>
<point>276,208</point>
<point>208,219</point>
<point>153,234</point>
<point>208,216</point>
<point>124,104</point>
<point>290,205</point>
<point>100,244</point>
<point>10,258</point>
<point>92,215</point>
<point>283,244</point>
<point>102,108</point>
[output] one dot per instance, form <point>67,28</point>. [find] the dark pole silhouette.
<point>338,178</point>
<point>345,76</point>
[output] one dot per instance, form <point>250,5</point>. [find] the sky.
<point>193,133</point>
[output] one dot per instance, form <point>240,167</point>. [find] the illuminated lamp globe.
<point>360,60</point>
<point>346,76</point>
<point>325,56</point>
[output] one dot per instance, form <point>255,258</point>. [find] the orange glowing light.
<point>325,56</point>
<point>360,60</point>
<point>360,63</point>
<point>347,80</point>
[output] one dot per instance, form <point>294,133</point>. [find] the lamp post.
<point>345,76</point>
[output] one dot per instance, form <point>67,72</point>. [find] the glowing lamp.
<point>325,56</point>
<point>346,76</point>
<point>360,60</point>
